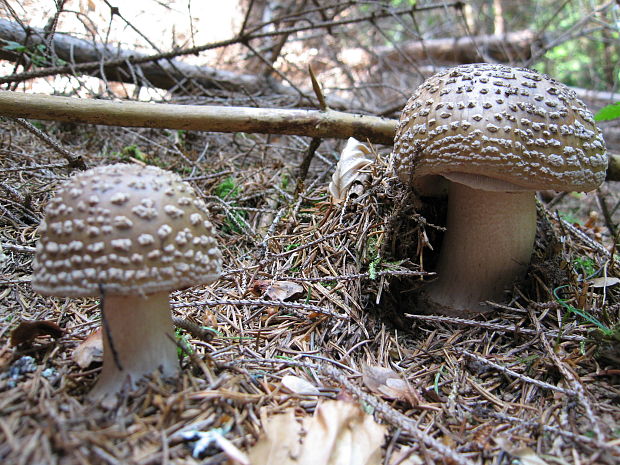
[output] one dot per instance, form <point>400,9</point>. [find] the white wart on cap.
<point>137,233</point>
<point>496,133</point>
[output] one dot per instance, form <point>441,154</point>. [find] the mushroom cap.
<point>495,127</point>
<point>132,229</point>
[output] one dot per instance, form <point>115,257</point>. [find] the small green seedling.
<point>227,189</point>
<point>437,378</point>
<point>585,266</point>
<point>235,219</point>
<point>184,342</point>
<point>582,313</point>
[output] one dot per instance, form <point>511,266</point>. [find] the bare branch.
<point>310,123</point>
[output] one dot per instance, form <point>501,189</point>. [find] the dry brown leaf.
<point>28,331</point>
<point>299,385</point>
<point>405,456</point>
<point>221,393</point>
<point>280,440</point>
<point>386,383</point>
<point>354,158</point>
<point>279,290</point>
<point>90,350</point>
<point>606,281</point>
<point>339,433</point>
<point>528,457</point>
<point>6,357</point>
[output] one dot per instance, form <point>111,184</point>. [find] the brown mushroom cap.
<point>134,229</point>
<point>496,127</point>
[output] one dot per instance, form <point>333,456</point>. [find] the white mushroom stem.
<point>137,332</point>
<point>487,246</point>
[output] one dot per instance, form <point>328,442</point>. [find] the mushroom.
<point>131,235</point>
<point>494,134</point>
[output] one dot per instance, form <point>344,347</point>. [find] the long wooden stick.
<point>312,123</point>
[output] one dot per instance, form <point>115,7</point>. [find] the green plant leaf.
<point>609,112</point>
<point>436,380</point>
<point>227,188</point>
<point>184,341</point>
<point>14,46</point>
<point>372,268</point>
<point>582,313</point>
<point>585,265</point>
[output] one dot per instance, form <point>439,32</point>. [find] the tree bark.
<point>512,47</point>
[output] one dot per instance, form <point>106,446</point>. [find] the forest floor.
<point>309,309</point>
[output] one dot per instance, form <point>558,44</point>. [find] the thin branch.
<point>494,326</point>
<point>265,303</point>
<point>310,123</point>
<point>578,439</point>
<point>573,380</point>
<point>75,162</point>
<point>510,372</point>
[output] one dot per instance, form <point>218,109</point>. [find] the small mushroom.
<point>131,235</point>
<point>494,134</point>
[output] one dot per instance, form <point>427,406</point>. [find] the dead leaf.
<point>279,441</point>
<point>606,281</point>
<point>241,397</point>
<point>90,350</point>
<point>209,319</point>
<point>279,290</point>
<point>299,385</point>
<point>528,457</point>
<point>339,433</point>
<point>28,331</point>
<point>6,357</point>
<point>405,456</point>
<point>389,385</point>
<point>354,158</point>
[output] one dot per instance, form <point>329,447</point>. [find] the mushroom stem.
<point>487,246</point>
<point>136,341</point>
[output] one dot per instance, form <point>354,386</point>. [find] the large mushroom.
<point>494,134</point>
<point>131,235</point>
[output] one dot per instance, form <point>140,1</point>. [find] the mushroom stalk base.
<point>486,248</point>
<point>136,341</point>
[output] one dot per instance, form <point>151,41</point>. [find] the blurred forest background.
<point>368,55</point>
<point>534,379</point>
